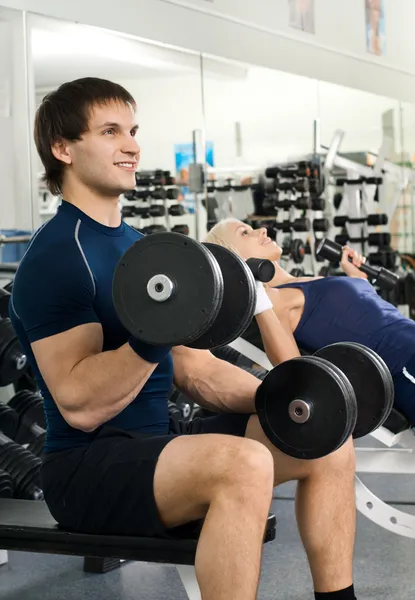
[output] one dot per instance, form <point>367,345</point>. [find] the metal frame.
<point>396,458</point>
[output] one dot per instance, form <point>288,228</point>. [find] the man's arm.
<point>90,386</point>
<point>213,383</point>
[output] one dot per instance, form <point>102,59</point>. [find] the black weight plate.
<point>367,379</point>
<point>333,405</point>
<point>349,393</point>
<point>386,378</point>
<point>197,295</point>
<point>239,299</point>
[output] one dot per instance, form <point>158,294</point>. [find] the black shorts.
<point>107,486</point>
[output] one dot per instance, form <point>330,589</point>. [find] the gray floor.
<point>384,563</point>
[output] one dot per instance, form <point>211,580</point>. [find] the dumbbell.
<point>299,185</point>
<point>184,229</point>
<point>31,417</point>
<point>344,389</point>
<point>340,220</point>
<point>301,224</point>
<point>23,467</point>
<point>13,361</point>
<point>384,258</point>
<point>151,229</point>
<point>157,210</point>
<point>318,203</point>
<point>297,272</point>
<point>4,303</point>
<point>377,219</point>
<point>295,249</point>
<point>332,252</point>
<point>176,210</point>
<point>301,203</point>
<point>379,239</point>
<point>321,225</point>
<point>165,194</point>
<point>192,294</point>
<point>6,485</point>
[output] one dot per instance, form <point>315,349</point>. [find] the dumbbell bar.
<point>184,229</point>
<point>301,224</point>
<point>169,289</point>
<point>343,389</point>
<point>156,194</point>
<point>372,220</point>
<point>332,252</point>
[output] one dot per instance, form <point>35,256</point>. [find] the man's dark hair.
<point>64,115</point>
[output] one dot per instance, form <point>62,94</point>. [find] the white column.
<point>17,184</point>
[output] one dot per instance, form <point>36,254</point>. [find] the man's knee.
<point>250,464</point>
<point>340,463</point>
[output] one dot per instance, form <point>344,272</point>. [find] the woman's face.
<point>252,243</point>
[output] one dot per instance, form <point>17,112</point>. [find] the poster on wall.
<point>302,15</point>
<point>184,156</point>
<point>375,27</point>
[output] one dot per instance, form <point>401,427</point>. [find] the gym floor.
<point>383,563</point>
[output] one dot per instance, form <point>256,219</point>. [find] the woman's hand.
<point>352,268</point>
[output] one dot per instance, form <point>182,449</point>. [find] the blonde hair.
<point>219,234</point>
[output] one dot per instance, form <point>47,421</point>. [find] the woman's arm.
<point>277,337</point>
<point>275,328</point>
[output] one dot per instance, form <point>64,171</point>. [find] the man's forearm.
<point>222,387</point>
<point>101,386</point>
<point>278,340</point>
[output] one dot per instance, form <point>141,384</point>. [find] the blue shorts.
<point>405,390</point>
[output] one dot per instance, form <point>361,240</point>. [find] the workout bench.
<point>28,526</point>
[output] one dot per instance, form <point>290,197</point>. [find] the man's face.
<point>107,156</point>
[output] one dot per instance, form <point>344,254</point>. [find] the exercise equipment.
<point>321,225</point>
<point>12,359</point>
<point>184,229</point>
<point>151,229</point>
<point>23,467</point>
<point>156,210</point>
<point>300,224</point>
<point>308,406</point>
<point>29,527</point>
<point>4,303</point>
<point>295,249</point>
<point>29,407</point>
<point>332,251</point>
<point>9,421</point>
<point>171,290</point>
<point>176,210</point>
<point>371,381</point>
<point>6,485</point>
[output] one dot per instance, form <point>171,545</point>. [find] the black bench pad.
<point>28,526</point>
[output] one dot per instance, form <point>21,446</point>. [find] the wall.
<point>275,110</point>
<point>257,32</point>
<point>15,140</point>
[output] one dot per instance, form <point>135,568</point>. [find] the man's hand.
<point>352,268</point>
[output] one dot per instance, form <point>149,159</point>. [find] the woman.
<point>313,312</point>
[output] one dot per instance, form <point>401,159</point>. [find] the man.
<point>111,463</point>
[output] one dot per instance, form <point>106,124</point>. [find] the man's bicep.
<point>57,355</point>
